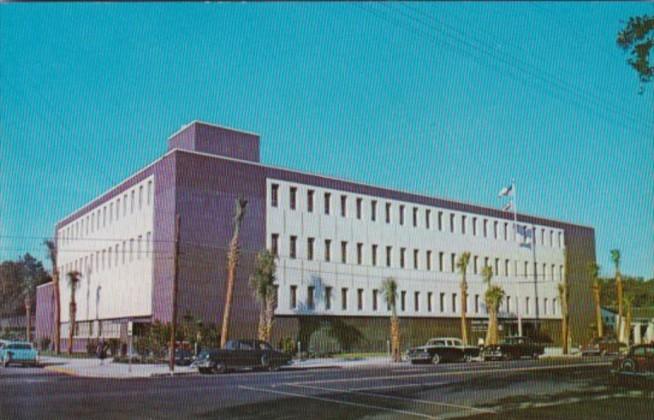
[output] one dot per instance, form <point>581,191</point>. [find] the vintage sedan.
<point>444,349</point>
<point>638,360</point>
<point>22,353</point>
<point>603,346</point>
<point>241,354</point>
<point>513,348</point>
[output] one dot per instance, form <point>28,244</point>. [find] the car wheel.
<point>467,358</point>
<point>5,362</point>
<point>220,367</point>
<point>436,359</point>
<point>629,365</point>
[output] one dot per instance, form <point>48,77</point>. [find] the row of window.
<point>549,306</point>
<point>122,253</point>
<point>421,260</point>
<point>477,227</point>
<point>105,215</point>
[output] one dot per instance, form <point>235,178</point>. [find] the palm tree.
<point>232,263</point>
<point>494,296</point>
<point>593,269</point>
<point>74,278</point>
<point>52,254</point>
<point>615,257</point>
<point>389,290</point>
<point>564,295</point>
<point>262,283</point>
<point>462,265</point>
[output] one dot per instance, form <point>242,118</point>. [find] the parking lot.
<point>518,389</point>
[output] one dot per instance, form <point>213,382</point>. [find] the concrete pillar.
<point>637,333</point>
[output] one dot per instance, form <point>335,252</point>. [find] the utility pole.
<point>173,324</point>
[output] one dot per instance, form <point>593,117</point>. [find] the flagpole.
<point>515,240</point>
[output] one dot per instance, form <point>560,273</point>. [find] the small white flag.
<point>506,191</point>
<point>508,206</point>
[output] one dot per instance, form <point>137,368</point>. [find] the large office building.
<point>336,242</point>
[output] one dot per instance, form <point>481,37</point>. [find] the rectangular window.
<point>117,254</point>
<point>360,299</point>
<point>131,249</point>
<point>310,242</point>
<point>292,250</point>
<point>292,199</point>
<point>401,215</point>
<point>293,297</point>
<point>441,257</point>
<point>104,216</point>
<point>475,264</point>
<point>328,298</point>
<point>375,294</point>
<point>92,222</point>
<point>117,212</point>
<point>440,221</point>
<point>124,251</point>
<point>359,253</point>
<point>485,228</point>
<point>545,305</point>
<point>527,305</point>
<point>495,229</point>
<point>344,298</point>
<point>553,269</point>
<point>416,301</point>
<point>374,255</point>
<point>403,301</point>
<point>359,202</point>
<point>310,294</point>
<point>453,262</point>
<point>415,217</point>
<point>542,237</point>
<point>343,252</point>
<point>109,258</point>
<point>476,304</point>
<point>140,197</point>
<point>388,212</point>
<point>132,202</point>
<point>343,206</point>
<point>506,268</point>
<point>328,250</point>
<point>427,219</point>
<point>526,270</point>
<point>560,240</point>
<point>274,244</point>
<point>402,252</point>
<point>474,226</point>
<point>328,198</point>
<point>373,210</point>
<point>149,193</point>
<point>453,302</point>
<point>138,247</point>
<point>508,304</point>
<point>124,207</point>
<point>388,256</point>
<point>148,243</point>
<point>274,195</point>
<point>429,305</point>
<point>415,259</point>
<point>111,212</point>
<point>428,260</point>
<point>310,195</point>
<point>441,302</point>
<point>452,222</point>
<point>506,231</point>
<point>463,225</point>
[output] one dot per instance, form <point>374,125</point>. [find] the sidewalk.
<point>91,367</point>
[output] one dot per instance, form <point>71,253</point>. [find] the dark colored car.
<point>603,346</point>
<point>638,360</point>
<point>183,357</point>
<point>512,348</point>
<point>445,349</point>
<point>241,354</point>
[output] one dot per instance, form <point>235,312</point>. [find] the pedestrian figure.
<point>101,352</point>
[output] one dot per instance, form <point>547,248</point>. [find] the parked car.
<point>602,346</point>
<point>444,349</point>
<point>638,360</point>
<point>240,354</point>
<point>18,352</point>
<point>183,357</point>
<point>513,348</point>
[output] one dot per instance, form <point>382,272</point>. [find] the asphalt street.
<point>519,389</point>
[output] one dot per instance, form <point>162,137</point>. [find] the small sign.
<point>130,328</point>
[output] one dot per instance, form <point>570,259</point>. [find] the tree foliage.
<point>637,38</point>
<point>18,280</point>
<point>642,291</point>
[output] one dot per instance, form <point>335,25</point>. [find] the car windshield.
<point>19,347</point>
<point>436,343</point>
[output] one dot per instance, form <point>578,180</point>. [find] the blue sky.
<point>451,100</point>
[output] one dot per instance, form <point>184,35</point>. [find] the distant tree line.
<point>18,281</point>
<point>639,289</point>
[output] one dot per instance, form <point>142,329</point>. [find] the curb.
<point>168,374</point>
<point>57,369</point>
